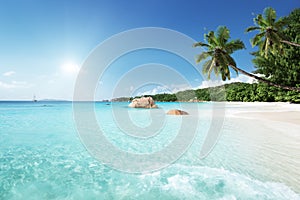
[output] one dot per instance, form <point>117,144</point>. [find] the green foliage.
<point>243,92</point>
<point>259,92</point>
<point>206,94</point>
<point>217,93</point>
<point>219,50</point>
<point>283,68</point>
<point>186,95</point>
<point>203,94</point>
<point>164,97</point>
<point>269,39</point>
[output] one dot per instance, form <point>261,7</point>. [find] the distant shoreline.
<point>30,101</point>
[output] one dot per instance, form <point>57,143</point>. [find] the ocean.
<point>47,152</point>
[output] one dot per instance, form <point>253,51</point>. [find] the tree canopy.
<point>271,38</point>
<point>283,68</point>
<point>219,49</point>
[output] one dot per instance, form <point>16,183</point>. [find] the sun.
<point>70,68</point>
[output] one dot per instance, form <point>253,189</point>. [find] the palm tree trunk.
<point>265,81</point>
<point>290,43</point>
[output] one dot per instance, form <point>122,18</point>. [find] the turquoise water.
<point>41,157</point>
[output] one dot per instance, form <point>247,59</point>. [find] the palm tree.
<point>270,37</point>
<point>218,50</point>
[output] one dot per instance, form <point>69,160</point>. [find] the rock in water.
<point>143,102</point>
<point>177,112</point>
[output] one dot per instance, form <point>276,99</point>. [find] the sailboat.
<point>34,98</point>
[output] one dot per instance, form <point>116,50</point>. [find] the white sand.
<point>280,112</point>
<point>270,134</point>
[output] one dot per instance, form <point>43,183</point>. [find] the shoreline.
<point>271,111</point>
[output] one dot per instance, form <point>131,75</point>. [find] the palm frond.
<point>270,15</point>
<point>234,45</point>
<point>270,38</point>
<point>230,60</point>
<point>223,76</point>
<point>202,56</point>
<point>200,44</point>
<point>217,71</point>
<point>275,38</point>
<point>219,50</point>
<point>261,44</point>
<point>211,67</point>
<point>227,73</point>
<point>260,21</point>
<point>211,39</point>
<point>222,35</point>
<point>257,38</point>
<point>281,23</point>
<point>208,67</point>
<point>252,28</point>
<point>277,46</point>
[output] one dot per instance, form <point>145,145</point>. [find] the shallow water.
<point>42,157</point>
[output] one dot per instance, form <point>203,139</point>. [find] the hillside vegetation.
<point>244,92</point>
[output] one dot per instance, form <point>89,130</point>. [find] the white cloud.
<point>15,84</point>
<point>174,88</point>
<point>156,90</point>
<point>165,89</point>
<point>180,87</point>
<point>9,73</point>
<point>240,78</point>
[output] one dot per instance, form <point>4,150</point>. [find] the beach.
<point>270,131</point>
<point>292,117</point>
<point>274,111</point>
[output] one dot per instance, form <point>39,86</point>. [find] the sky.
<point>44,44</point>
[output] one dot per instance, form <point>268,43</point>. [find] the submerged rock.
<point>177,112</point>
<point>143,102</point>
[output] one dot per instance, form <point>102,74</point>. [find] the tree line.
<point>243,92</point>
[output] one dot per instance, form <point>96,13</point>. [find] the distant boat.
<point>34,98</point>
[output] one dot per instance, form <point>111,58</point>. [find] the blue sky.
<point>44,43</point>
